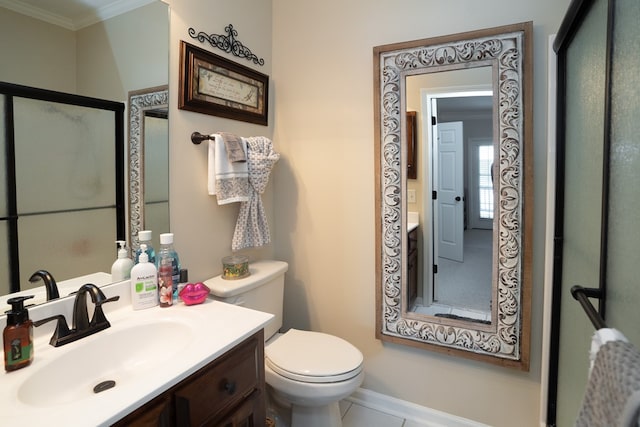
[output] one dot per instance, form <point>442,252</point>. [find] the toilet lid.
<point>313,357</point>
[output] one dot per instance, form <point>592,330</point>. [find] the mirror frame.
<point>139,102</point>
<point>508,50</point>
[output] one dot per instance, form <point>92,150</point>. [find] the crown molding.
<point>109,10</point>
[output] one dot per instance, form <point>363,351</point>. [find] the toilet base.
<point>316,416</point>
<point>286,414</point>
<point>304,416</point>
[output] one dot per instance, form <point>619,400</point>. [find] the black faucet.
<point>49,283</point>
<point>82,327</point>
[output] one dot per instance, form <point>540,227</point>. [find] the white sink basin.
<point>145,352</point>
<point>117,355</point>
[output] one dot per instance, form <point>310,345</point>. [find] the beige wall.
<point>203,230</point>
<point>129,51</point>
<point>105,60</point>
<point>320,199</point>
<point>29,46</point>
<point>322,59</point>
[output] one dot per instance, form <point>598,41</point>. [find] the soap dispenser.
<point>144,282</point>
<point>18,336</point>
<point>145,236</point>
<point>121,268</point>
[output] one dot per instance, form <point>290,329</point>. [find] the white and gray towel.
<point>227,180</point>
<point>612,397</point>
<point>236,149</point>
<point>252,229</point>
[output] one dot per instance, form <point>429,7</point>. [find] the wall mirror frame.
<point>508,50</point>
<point>140,102</point>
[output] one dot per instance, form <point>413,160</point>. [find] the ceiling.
<point>468,105</point>
<point>72,14</point>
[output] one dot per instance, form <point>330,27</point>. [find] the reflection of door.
<point>449,202</point>
<point>439,110</point>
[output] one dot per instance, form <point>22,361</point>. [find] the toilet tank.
<point>262,290</point>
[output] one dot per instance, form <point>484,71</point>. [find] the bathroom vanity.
<point>412,267</point>
<point>229,391</point>
<point>413,223</point>
<point>183,365</point>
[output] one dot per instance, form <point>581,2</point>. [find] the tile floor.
<point>354,415</point>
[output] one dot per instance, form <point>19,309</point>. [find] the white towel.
<point>228,181</point>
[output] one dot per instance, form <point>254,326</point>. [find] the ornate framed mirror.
<point>148,162</point>
<point>504,55</point>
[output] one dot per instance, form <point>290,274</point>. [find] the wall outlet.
<point>411,196</point>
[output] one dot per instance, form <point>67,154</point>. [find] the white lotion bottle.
<point>144,282</point>
<point>121,268</point>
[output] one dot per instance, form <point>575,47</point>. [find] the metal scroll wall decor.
<point>504,341</point>
<point>227,43</point>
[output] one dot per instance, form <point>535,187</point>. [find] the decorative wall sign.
<point>211,84</point>
<point>227,43</point>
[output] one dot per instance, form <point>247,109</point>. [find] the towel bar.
<point>197,138</point>
<point>583,294</point>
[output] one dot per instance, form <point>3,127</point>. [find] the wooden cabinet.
<point>412,169</point>
<point>229,392</point>
<point>412,268</point>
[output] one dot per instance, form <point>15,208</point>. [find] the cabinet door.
<point>221,387</point>
<point>412,268</point>
<point>230,391</point>
<point>248,414</point>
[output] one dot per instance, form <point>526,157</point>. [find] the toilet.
<point>307,373</point>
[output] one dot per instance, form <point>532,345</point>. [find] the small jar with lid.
<point>235,267</point>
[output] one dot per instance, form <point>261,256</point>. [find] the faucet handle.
<point>80,313</point>
<point>98,315</point>
<point>62,329</point>
<point>106,300</point>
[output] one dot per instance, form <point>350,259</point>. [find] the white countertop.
<point>217,327</point>
<point>413,221</point>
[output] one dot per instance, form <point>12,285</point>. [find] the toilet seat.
<point>313,357</point>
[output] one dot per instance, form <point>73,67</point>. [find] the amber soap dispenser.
<point>18,335</point>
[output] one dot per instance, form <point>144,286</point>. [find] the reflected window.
<point>485,181</point>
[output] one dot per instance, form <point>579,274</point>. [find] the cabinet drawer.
<point>221,386</point>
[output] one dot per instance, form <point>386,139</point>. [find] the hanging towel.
<point>612,397</point>
<point>252,229</point>
<point>236,150</point>
<point>228,181</point>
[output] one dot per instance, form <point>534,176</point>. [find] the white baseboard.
<point>410,411</point>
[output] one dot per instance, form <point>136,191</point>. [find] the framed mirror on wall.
<point>101,52</point>
<point>473,182</point>
<point>148,161</point>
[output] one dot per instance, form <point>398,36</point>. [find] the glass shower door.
<point>601,164</point>
<point>584,158</point>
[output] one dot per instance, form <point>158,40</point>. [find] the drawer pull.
<point>230,387</point>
